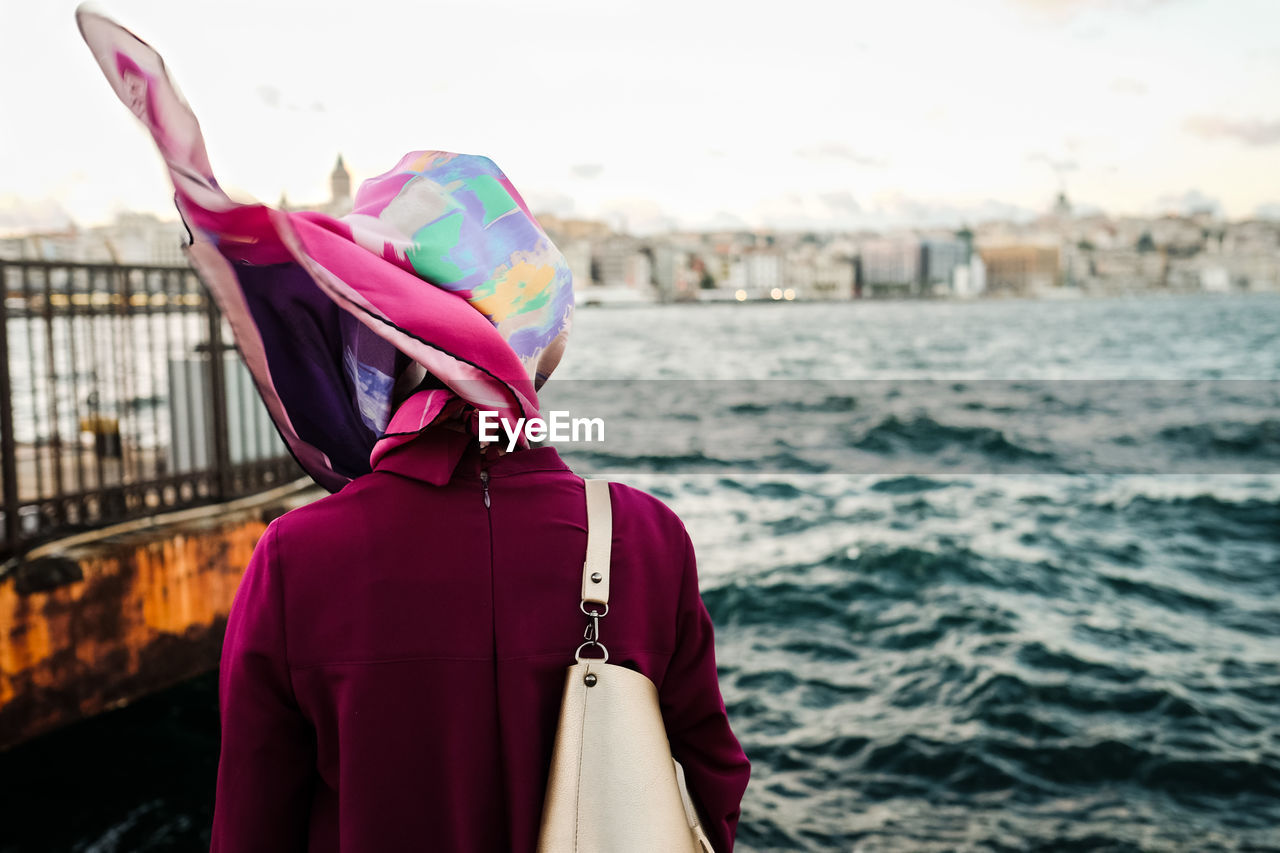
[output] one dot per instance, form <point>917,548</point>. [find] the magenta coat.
<point>395,655</point>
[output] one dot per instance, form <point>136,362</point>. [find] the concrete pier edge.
<point>98,619</point>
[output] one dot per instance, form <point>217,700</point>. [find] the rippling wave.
<point>1109,690</point>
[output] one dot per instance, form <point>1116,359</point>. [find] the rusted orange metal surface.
<point>107,622</point>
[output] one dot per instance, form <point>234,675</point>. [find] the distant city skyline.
<point>691,115</point>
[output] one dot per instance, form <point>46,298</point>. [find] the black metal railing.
<point>121,397</point>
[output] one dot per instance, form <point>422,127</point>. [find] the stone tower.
<point>339,182</point>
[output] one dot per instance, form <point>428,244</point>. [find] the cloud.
<point>274,99</point>
<point>1084,20</point>
<point>1248,131</point>
<point>1058,165</point>
<point>1053,6</point>
<point>1190,202</point>
<point>786,211</point>
<point>896,210</point>
<point>269,95</point>
<point>587,171</point>
<point>1060,9</point>
<point>555,203</point>
<point>1084,208</point>
<point>721,220</point>
<point>1089,33</point>
<point>638,216</point>
<point>839,152</point>
<point>1270,210</point>
<point>18,216</point>
<point>839,210</point>
<point>840,202</point>
<point>1128,86</point>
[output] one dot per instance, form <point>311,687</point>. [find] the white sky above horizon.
<point>696,114</point>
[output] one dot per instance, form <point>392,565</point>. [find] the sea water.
<point>987,576</point>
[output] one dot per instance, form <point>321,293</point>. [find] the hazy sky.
<point>702,113</point>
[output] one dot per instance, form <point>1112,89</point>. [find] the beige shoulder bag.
<point>614,787</point>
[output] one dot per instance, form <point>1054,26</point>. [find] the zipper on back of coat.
<point>484,488</point>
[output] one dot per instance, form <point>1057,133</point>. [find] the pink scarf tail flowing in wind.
<point>439,289</point>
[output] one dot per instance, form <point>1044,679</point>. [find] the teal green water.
<point>957,655</point>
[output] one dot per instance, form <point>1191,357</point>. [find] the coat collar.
<point>439,455</point>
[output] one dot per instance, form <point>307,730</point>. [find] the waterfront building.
<point>829,276</point>
<point>577,254</point>
<point>969,279</point>
<point>910,264</point>
<point>672,272</point>
<point>1020,269</point>
<point>562,230</point>
<point>939,258</point>
<point>616,269</point>
<point>758,272</point>
<point>890,266</point>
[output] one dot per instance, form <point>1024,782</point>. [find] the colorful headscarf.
<point>440,268</point>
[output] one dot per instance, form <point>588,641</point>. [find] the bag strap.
<point>595,569</point>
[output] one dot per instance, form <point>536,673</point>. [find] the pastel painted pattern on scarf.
<point>456,221</point>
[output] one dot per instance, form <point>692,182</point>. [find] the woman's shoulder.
<point>637,511</point>
<point>640,500</point>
